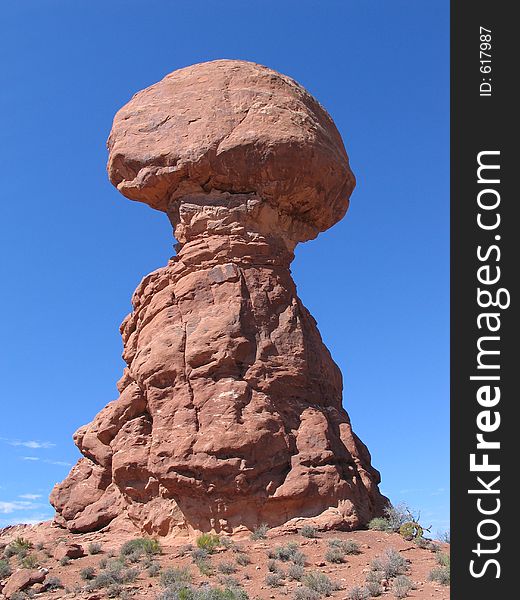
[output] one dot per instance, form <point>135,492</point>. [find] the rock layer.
<point>230,409</point>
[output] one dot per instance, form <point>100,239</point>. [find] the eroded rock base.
<point>230,409</point>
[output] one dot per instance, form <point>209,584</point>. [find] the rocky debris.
<point>69,550</point>
<point>22,579</point>
<point>230,409</point>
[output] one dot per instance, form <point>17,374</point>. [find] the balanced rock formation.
<point>230,409</point>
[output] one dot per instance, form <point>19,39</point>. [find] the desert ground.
<point>343,565</point>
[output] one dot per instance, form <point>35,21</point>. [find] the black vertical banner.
<point>485,266</point>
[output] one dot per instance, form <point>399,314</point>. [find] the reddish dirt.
<point>251,577</point>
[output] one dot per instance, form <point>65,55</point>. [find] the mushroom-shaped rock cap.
<point>236,127</point>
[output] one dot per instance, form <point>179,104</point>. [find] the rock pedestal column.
<point>230,409</point>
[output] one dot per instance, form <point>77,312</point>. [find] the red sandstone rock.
<point>68,551</point>
<point>21,580</point>
<point>236,127</point>
<point>230,409</point>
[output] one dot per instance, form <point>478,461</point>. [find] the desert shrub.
<point>346,546</point>
<point>134,557</point>
<point>375,576</point>
<point>374,588</point>
<point>94,548</point>
<point>204,567</point>
<point>379,524</point>
<point>227,568</point>
<point>391,563</point>
<point>88,573</point>
<point>39,546</point>
<point>115,590</point>
<point>295,572</point>
<point>298,558</point>
<point>113,575</point>
<point>229,594</point>
<point>199,554</point>
<point>102,580</point>
<point>274,579</point>
<point>29,562</point>
<point>260,533</point>
<point>229,581</point>
<point>335,555</point>
<point>103,563</point>
<point>358,593</point>
<point>153,569</point>
<point>208,542</point>
<point>226,543</point>
<point>114,564</point>
<point>443,559</point>
<point>308,532</point>
<point>242,559</point>
<point>177,576</point>
<point>19,547</point>
<point>283,553</point>
<point>140,546</point>
<point>351,547</point>
<point>21,554</point>
<point>205,593</point>
<point>5,569</point>
<point>319,582</point>
<point>185,549</point>
<point>398,515</point>
<point>129,575</point>
<point>289,552</point>
<point>401,586</point>
<point>21,543</point>
<point>273,566</point>
<point>214,593</point>
<point>19,596</point>
<point>444,536</point>
<point>305,593</point>
<point>411,530</point>
<point>177,593</point>
<point>147,561</point>
<point>64,561</point>
<point>440,575</point>
<point>54,583</point>
<point>423,543</point>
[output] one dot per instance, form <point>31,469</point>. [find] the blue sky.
<point>73,250</point>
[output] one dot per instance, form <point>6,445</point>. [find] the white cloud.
<point>30,496</point>
<point>34,444</point>
<point>8,507</point>
<point>48,461</point>
<point>30,519</point>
